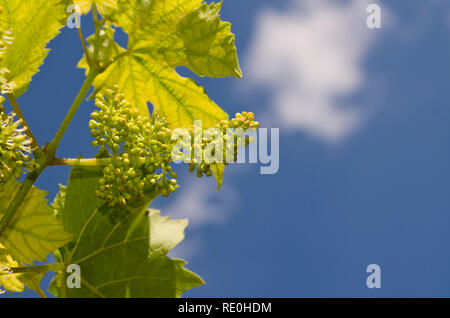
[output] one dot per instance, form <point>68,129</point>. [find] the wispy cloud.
<point>199,202</point>
<point>311,57</point>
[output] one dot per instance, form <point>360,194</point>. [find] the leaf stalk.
<point>33,269</point>
<point>91,162</point>
<point>15,105</point>
<point>44,161</point>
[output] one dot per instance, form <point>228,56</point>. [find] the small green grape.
<point>140,151</point>
<point>244,121</point>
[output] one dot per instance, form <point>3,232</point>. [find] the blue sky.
<point>364,157</point>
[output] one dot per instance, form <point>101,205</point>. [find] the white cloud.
<point>311,56</point>
<point>202,205</point>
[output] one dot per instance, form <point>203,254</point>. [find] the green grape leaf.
<point>14,282</point>
<point>163,35</point>
<point>121,252</point>
<point>103,6</point>
<point>180,100</point>
<point>108,47</point>
<point>60,199</point>
<point>207,46</point>
<point>34,232</point>
<point>219,171</point>
<point>32,25</point>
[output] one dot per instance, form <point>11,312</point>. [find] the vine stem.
<point>34,269</point>
<point>83,43</point>
<point>98,25</point>
<point>15,105</point>
<point>18,199</point>
<point>50,153</point>
<point>81,162</point>
<point>115,59</point>
<point>92,162</point>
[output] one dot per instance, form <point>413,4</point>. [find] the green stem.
<point>53,146</point>
<point>18,199</point>
<point>98,26</point>
<point>94,162</point>
<point>114,60</point>
<point>83,43</point>
<point>13,101</point>
<point>48,158</point>
<point>36,269</point>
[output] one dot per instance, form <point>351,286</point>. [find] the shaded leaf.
<point>121,252</point>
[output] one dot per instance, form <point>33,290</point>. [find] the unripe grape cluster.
<point>230,130</point>
<point>140,151</point>
<point>15,147</point>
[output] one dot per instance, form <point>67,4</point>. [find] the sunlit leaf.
<point>12,282</point>
<point>32,23</point>
<point>162,36</point>
<point>103,6</point>
<point>34,232</point>
<point>219,170</point>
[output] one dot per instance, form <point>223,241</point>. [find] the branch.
<point>33,269</point>
<point>44,161</point>
<point>19,114</point>
<point>49,158</point>
<point>98,26</point>
<point>18,199</point>
<point>114,60</point>
<point>94,162</point>
<point>83,43</point>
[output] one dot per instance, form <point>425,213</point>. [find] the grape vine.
<point>102,216</point>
